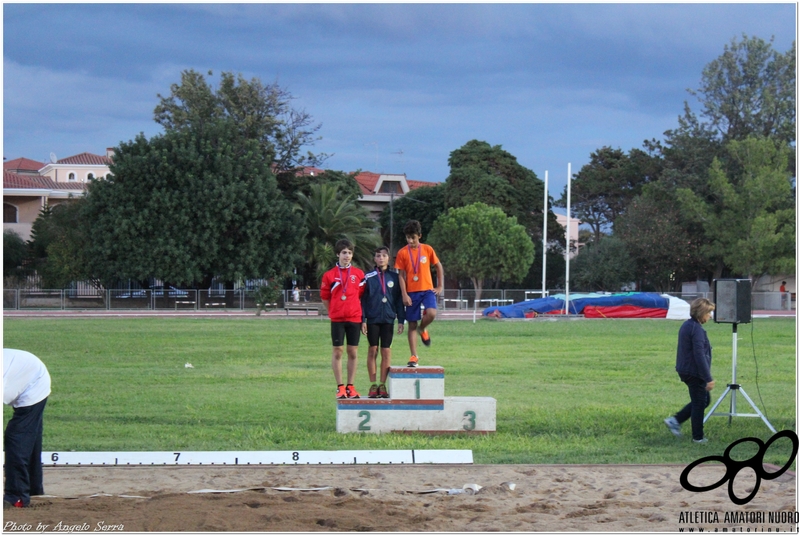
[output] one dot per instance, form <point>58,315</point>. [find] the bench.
<point>319,308</point>
<point>215,304</point>
<point>186,302</point>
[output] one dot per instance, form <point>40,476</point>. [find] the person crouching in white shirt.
<point>26,385</point>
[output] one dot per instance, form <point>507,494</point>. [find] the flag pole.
<point>568,229</point>
<point>544,239</point>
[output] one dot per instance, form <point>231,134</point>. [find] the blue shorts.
<point>426,298</point>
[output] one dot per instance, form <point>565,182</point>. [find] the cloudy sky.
<point>396,87</point>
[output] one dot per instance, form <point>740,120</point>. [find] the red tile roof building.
<point>85,158</point>
<point>377,189</point>
<point>23,165</point>
<point>29,186</point>
<point>25,195</point>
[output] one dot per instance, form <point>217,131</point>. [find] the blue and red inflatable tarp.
<point>621,305</point>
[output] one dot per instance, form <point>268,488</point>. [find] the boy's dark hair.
<point>382,248</point>
<point>343,244</point>
<point>412,227</point>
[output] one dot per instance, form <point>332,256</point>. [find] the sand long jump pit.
<point>403,497</point>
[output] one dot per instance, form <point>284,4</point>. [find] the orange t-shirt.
<point>424,258</point>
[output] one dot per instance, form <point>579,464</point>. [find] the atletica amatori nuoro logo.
<point>734,467</point>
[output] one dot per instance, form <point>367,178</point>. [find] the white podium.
<point>417,404</point>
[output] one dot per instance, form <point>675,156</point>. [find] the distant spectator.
<point>295,294</point>
<point>784,296</point>
<point>307,293</point>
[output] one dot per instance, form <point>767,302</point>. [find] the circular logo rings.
<point>733,466</point>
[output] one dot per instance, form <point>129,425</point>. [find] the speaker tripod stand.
<point>733,388</point>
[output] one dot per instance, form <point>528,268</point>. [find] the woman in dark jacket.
<point>693,367</point>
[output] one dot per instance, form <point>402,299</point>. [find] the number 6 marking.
<point>470,423</point>
<point>362,426</point>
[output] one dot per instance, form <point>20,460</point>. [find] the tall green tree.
<point>750,219</point>
<point>605,186</point>
<point>328,217</point>
<point>261,112</point>
<point>750,90</point>
<point>665,249</point>
<point>59,245</point>
<point>480,242</point>
<point>602,266</point>
<point>483,173</point>
<point>191,204</point>
<point>480,172</point>
<point>15,252</point>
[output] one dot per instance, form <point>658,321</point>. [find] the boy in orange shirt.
<point>416,283</point>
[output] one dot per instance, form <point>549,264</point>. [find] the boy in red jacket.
<point>341,292</point>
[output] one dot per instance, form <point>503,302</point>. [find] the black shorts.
<point>341,329</point>
<point>382,333</point>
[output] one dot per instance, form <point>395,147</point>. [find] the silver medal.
<point>343,297</point>
<point>385,300</point>
<point>415,278</point>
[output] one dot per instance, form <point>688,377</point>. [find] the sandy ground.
<point>416,498</point>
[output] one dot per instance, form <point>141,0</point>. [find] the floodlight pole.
<point>733,388</point>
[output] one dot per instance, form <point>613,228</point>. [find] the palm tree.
<point>329,217</point>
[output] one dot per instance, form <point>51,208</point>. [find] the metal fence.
<point>153,299</point>
<point>244,298</point>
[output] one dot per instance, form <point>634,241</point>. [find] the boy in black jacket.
<point>381,304</point>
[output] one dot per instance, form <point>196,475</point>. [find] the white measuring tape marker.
<point>185,458</point>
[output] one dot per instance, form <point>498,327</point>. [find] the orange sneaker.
<point>352,393</point>
<point>413,361</point>
<point>341,392</point>
<point>425,336</point>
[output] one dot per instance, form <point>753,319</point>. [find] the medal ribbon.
<point>415,265</point>
<point>382,277</point>
<point>346,281</point>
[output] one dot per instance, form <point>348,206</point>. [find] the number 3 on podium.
<point>469,423</point>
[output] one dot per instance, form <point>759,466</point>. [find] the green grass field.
<point>590,391</point>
